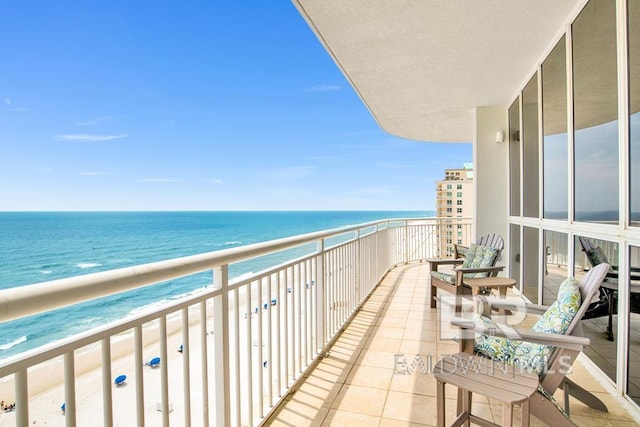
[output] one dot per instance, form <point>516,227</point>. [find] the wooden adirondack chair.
<point>565,348</point>
<point>467,265</point>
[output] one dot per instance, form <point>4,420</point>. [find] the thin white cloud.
<point>216,181</point>
<point>86,137</point>
<point>95,121</point>
<point>7,101</point>
<point>158,180</point>
<point>291,172</point>
<point>323,88</point>
<point>90,173</point>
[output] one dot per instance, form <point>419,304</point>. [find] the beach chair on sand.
<point>549,348</point>
<point>478,261</point>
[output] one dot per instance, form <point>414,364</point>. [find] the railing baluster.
<point>285,329</point>
<point>260,359</point>
<point>204,363</point>
<point>107,401</point>
<point>236,352</point>
<point>278,350</point>
<point>249,353</point>
<point>298,320</point>
<point>21,386</point>
<point>137,340</point>
<point>185,366</point>
<point>269,357</point>
<point>164,371</point>
<point>221,347</point>
<point>69,390</point>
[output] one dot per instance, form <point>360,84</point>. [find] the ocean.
<point>42,246</point>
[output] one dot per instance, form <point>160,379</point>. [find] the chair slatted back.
<point>492,241</point>
<point>589,287</point>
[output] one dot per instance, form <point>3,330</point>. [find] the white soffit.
<point>421,66</point>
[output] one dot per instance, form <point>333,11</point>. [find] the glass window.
<point>554,119</point>
<point>449,210</point>
<point>459,187</point>
<point>514,252</point>
<point>449,193</point>
<point>530,264</point>
<point>514,157</point>
<point>634,103</point>
<point>449,202</point>
<point>530,148</point>
<point>458,202</point>
<point>448,186</point>
<point>595,113</point>
<point>555,264</point>
<point>459,194</point>
<point>459,210</point>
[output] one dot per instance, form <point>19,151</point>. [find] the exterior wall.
<point>491,175</point>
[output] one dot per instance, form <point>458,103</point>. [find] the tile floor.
<point>364,382</point>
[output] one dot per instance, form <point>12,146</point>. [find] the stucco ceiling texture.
<point>422,66</point>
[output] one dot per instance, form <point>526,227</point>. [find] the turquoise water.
<point>41,246</point>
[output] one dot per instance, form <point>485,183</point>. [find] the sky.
<point>192,105</point>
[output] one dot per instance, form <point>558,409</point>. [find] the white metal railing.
<point>244,342</point>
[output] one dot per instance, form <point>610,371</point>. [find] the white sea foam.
<point>84,265</point>
<point>45,271</point>
<point>233,242</point>
<point>13,343</point>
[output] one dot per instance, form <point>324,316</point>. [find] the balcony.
<point>377,372</point>
<point>317,337</point>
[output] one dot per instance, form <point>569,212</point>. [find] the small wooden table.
<point>499,283</point>
<point>476,374</point>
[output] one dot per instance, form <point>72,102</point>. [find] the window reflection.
<point>554,119</point>
<point>595,113</point>
<point>600,321</point>
<point>514,250</point>
<point>530,148</point>
<point>514,156</point>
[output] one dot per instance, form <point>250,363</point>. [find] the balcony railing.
<point>245,342</point>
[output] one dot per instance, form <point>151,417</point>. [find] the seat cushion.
<point>445,277</point>
<point>485,256</point>
<point>499,349</point>
<point>555,320</point>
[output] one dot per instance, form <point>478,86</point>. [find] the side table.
<point>475,374</point>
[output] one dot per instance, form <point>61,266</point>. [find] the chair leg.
<point>526,413</point>
<point>467,407</point>
<point>547,412</point>
<point>434,291</point>
<point>507,415</point>
<point>610,325</point>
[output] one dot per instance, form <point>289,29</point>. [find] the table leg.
<point>507,415</point>
<point>440,403</point>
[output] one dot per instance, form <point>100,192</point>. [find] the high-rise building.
<point>455,198</point>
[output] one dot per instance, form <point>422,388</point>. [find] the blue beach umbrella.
<point>120,379</point>
<point>154,362</point>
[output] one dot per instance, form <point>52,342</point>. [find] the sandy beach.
<point>46,391</point>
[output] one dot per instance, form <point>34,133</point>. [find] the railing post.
<point>405,256</point>
<point>107,400</point>
<point>321,284</point>
<point>221,346</point>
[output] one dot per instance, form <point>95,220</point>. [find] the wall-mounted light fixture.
<point>500,136</point>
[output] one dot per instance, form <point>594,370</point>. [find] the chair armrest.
<point>459,250</point>
<point>445,261</point>
<point>494,269</point>
<point>536,308</point>
<point>556,340</point>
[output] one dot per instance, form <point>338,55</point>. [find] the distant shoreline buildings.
<point>455,198</point>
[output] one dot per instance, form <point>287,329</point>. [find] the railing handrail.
<point>23,301</point>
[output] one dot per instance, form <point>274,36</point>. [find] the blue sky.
<point>120,105</point>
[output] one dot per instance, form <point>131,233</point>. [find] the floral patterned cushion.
<point>555,320</point>
<point>484,257</point>
<point>445,277</point>
<point>499,349</point>
<point>470,255</point>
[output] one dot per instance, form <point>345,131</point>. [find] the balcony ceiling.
<point>421,67</point>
